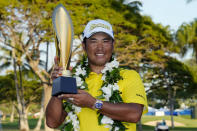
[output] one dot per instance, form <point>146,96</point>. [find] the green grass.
<point>190,124</point>
<point>13,126</point>
<point>185,120</point>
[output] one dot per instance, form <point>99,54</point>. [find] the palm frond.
<point>5,58</point>
<point>5,65</point>
<point>135,3</point>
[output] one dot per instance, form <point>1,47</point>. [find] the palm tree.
<point>5,58</point>
<point>186,37</point>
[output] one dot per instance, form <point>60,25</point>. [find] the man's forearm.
<point>129,112</point>
<point>55,114</point>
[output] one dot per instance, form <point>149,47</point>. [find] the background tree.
<point>186,37</point>
<point>23,34</point>
<point>191,63</point>
<point>31,86</point>
<point>173,82</point>
<point>8,92</point>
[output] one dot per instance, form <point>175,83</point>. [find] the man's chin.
<point>99,63</point>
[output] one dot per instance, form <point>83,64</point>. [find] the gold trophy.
<point>63,27</point>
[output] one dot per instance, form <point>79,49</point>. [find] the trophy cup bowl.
<point>62,24</point>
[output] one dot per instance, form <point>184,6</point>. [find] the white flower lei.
<point>110,92</point>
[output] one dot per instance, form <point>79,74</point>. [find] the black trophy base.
<point>64,85</point>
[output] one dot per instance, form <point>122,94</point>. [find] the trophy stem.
<point>66,73</point>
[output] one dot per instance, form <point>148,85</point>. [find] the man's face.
<point>99,48</point>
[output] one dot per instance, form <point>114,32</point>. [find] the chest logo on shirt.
<point>140,96</point>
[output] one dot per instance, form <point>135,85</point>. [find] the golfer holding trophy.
<point>64,37</point>
<point>110,102</point>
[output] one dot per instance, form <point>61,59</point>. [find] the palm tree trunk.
<point>12,113</point>
<point>24,111</point>
<point>171,105</point>
<point>22,116</point>
<point>21,88</point>
<point>17,90</point>
<point>171,113</point>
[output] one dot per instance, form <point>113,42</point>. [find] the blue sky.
<point>170,12</point>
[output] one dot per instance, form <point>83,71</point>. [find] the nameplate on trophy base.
<point>64,85</point>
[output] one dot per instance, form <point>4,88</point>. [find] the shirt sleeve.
<point>132,89</point>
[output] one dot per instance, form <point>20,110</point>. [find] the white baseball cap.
<point>98,25</point>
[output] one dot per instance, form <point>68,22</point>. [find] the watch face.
<point>98,105</point>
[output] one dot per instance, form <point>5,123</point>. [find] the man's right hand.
<point>57,70</point>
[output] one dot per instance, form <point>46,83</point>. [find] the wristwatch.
<point>98,104</point>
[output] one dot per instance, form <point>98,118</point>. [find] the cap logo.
<point>93,26</point>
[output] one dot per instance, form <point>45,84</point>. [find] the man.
<point>98,44</point>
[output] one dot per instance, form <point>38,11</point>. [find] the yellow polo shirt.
<point>132,92</point>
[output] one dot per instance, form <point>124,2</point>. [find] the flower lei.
<point>110,92</point>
